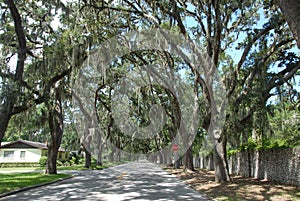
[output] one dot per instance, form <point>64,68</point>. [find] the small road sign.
<point>175,147</point>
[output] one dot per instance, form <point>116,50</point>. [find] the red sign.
<point>175,147</point>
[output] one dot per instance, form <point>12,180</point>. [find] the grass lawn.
<point>23,177</point>
<point>94,167</point>
<point>17,169</point>
<point>240,189</point>
<point>14,181</point>
<point>81,167</point>
<point>73,167</point>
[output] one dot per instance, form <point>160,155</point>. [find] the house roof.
<point>38,145</point>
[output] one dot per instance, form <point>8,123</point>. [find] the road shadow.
<point>131,181</point>
<point>240,189</point>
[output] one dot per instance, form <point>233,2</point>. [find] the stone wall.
<point>281,165</point>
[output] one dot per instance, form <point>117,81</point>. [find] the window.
<point>22,155</point>
<point>9,154</point>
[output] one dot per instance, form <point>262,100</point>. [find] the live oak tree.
<point>26,35</point>
<point>221,27</point>
<point>290,10</point>
<point>246,41</point>
<point>43,59</point>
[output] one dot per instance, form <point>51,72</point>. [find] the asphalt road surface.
<point>132,181</point>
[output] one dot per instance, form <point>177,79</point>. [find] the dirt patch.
<point>239,189</point>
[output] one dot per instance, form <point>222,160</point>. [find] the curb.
<point>32,187</point>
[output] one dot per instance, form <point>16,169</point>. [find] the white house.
<point>26,151</point>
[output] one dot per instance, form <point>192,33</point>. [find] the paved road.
<point>132,181</point>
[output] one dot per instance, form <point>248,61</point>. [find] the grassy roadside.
<point>73,167</point>
<point>240,189</point>
<point>14,181</point>
<point>94,167</point>
<point>27,176</point>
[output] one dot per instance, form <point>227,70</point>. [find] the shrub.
<point>43,161</point>
<point>74,160</point>
<point>59,163</point>
<point>81,161</point>
<point>25,164</point>
<point>232,152</point>
<point>93,161</point>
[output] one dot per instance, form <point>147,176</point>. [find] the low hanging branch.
<point>45,96</point>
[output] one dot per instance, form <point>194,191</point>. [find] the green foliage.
<point>26,164</point>
<point>284,118</point>
<point>93,161</point>
<point>265,145</point>
<point>81,161</point>
<point>30,125</point>
<point>43,161</point>
<point>200,144</point>
<point>250,77</point>
<point>59,163</point>
<point>74,160</point>
<point>232,152</point>
<point>275,144</point>
<point>251,144</point>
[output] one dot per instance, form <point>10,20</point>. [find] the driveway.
<point>132,181</point>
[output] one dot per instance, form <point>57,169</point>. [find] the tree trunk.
<point>111,155</point>
<point>128,156</point>
<point>99,148</point>
<point>177,160</point>
<point>11,95</point>
<point>118,155</point>
<point>88,158</point>
<point>4,120</point>
<point>168,158</point>
<point>99,157</point>
<point>51,167</point>
<point>220,161</point>
<point>197,161</point>
<point>210,162</point>
<point>290,10</point>
<point>56,130</point>
<point>188,162</point>
<point>162,158</point>
<point>202,166</point>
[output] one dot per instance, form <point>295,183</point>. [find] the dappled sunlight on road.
<point>131,181</point>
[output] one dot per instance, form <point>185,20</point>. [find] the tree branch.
<point>244,56</point>
<point>22,50</point>
<point>282,77</point>
<point>45,96</point>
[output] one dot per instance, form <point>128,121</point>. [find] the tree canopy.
<point>251,44</point>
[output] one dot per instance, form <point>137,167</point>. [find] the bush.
<point>232,152</point>
<point>59,163</point>
<point>275,143</point>
<point>25,164</point>
<point>74,160</point>
<point>43,161</point>
<point>81,161</point>
<point>93,161</point>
